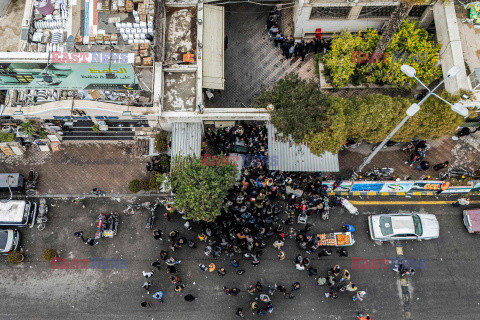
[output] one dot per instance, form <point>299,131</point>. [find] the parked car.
<point>9,240</point>
<point>471,219</point>
<point>399,226</point>
<point>18,213</point>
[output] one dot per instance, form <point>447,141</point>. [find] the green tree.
<point>410,45</point>
<point>352,58</point>
<point>291,98</point>
<point>29,128</point>
<point>199,188</point>
<point>324,124</point>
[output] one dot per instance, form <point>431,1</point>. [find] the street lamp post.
<point>413,109</point>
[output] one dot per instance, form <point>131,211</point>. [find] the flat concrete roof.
<point>11,26</point>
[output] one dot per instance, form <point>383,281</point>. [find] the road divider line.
<point>371,203</point>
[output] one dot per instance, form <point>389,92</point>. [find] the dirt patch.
<point>11,26</point>
<point>181,35</point>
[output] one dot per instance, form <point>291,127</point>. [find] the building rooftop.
<point>11,26</point>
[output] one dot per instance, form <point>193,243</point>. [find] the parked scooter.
<point>376,173</point>
<point>131,208</point>
<point>42,214</point>
<point>151,217</point>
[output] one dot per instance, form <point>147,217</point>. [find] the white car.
<point>400,226</point>
<point>9,240</point>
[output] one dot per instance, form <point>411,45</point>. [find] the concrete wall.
<point>451,51</point>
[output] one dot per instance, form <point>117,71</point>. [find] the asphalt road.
<point>446,288</point>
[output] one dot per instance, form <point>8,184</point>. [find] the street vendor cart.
<point>335,239</point>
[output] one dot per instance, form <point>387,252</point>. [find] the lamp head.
<point>460,109</point>
<point>413,109</point>
<point>452,72</point>
<point>409,71</point>
<point>110,75</point>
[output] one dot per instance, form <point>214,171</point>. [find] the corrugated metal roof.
<point>288,156</point>
<point>186,138</point>
<point>213,47</point>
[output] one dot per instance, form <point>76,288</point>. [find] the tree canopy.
<point>352,58</point>
<point>200,187</point>
<point>325,123</point>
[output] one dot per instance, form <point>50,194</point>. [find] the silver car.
<point>400,226</point>
<point>9,240</point>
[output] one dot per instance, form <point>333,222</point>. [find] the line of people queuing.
<point>289,46</point>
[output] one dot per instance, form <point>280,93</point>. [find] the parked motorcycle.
<point>101,222</point>
<point>151,217</point>
<point>111,227</point>
<point>349,144</point>
<point>31,183</point>
<point>42,214</point>
<point>131,208</point>
<point>387,145</point>
<point>455,173</point>
<point>376,173</point>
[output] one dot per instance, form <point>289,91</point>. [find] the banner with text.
<point>68,76</point>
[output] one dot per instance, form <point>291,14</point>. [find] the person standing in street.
<point>423,166</point>
<point>157,234</point>
<point>158,296</point>
<point>146,304</point>
<point>79,235</point>
<point>462,202</point>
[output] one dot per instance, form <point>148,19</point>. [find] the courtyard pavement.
<point>79,167</point>
<point>252,63</point>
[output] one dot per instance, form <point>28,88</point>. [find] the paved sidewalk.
<point>462,153</point>
<point>79,167</point>
<point>252,63</point>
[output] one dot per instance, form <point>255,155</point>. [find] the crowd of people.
<point>289,46</point>
<point>255,214</point>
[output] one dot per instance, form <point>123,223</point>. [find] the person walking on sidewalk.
<point>79,235</point>
<point>462,202</point>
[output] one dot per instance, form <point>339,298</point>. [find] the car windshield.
<point>3,239</point>
<point>386,225</point>
<point>418,225</point>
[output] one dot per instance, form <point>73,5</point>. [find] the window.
<point>418,225</point>
<point>417,11</point>
<point>376,11</point>
<point>330,12</point>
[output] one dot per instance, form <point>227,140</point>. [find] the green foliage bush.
<point>342,67</point>
<point>161,141</point>
<point>6,137</point>
<point>49,254</point>
<point>15,257</point>
<point>135,186</point>
<point>164,162</point>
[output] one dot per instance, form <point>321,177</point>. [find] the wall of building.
<point>305,24</point>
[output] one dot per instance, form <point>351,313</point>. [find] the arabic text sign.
<point>396,187</point>
<point>67,76</point>
<point>367,186</point>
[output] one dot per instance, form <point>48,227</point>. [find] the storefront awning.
<point>213,47</point>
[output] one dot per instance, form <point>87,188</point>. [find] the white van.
<point>17,213</point>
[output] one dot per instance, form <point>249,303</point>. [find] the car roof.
<point>474,216</point>
<point>403,224</point>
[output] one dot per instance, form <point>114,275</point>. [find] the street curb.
<point>112,195</point>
